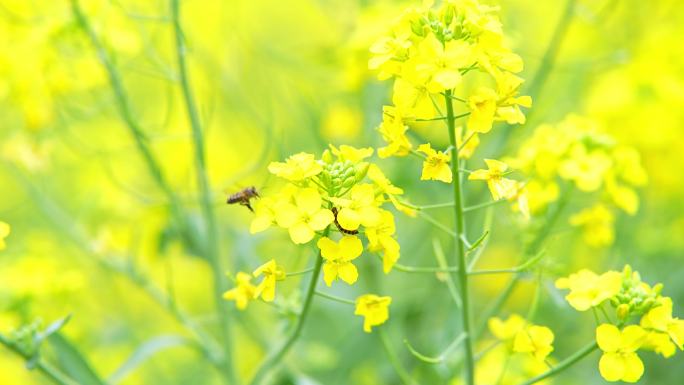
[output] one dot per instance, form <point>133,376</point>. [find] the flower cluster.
<point>576,152</point>
<point>429,51</point>
<point>339,193</point>
<point>621,336</point>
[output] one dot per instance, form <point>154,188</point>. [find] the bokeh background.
<point>271,79</point>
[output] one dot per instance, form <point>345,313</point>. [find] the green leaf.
<point>72,362</point>
<point>51,329</point>
<point>145,351</point>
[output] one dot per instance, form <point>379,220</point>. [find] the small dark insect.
<point>343,230</point>
<point>243,197</point>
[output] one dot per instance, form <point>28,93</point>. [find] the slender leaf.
<point>144,352</point>
<point>72,362</point>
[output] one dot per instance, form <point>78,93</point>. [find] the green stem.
<point>460,246</point>
<point>301,272</point>
<point>568,362</point>
<point>51,372</point>
<point>334,298</point>
<point>272,360</point>
<point>126,113</point>
<point>212,250</point>
<point>393,359</point>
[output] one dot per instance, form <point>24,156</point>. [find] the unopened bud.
<point>623,311</point>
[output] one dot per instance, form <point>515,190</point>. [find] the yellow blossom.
<point>393,131</point>
<point>297,167</point>
<point>660,319</point>
<point>374,309</point>
<point>305,216</point>
<point>500,187</point>
<point>587,289</point>
<point>272,273</point>
<point>411,95</point>
<point>243,292</point>
<point>597,225</point>
<point>482,106</point>
<point>352,154</point>
<point>586,168</point>
<point>265,208</point>
<point>436,165</point>
<point>509,102</point>
<point>385,50</point>
<point>360,209</point>
<point>385,188</point>
<point>620,361</point>
<point>4,232</point>
<point>536,340</point>
<point>440,64</point>
<point>508,329</point>
<point>338,257</point>
<point>380,239</point>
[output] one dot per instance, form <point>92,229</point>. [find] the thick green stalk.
<point>273,359</point>
<point>212,248</point>
<point>568,362</point>
<point>469,362</point>
<point>52,373</point>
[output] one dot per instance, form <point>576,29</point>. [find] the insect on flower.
<point>339,227</point>
<point>243,197</point>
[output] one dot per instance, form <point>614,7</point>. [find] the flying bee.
<point>339,227</point>
<point>243,197</point>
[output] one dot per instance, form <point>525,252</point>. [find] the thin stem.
<point>212,250</point>
<point>565,364</point>
<point>122,102</point>
<point>442,117</point>
<point>393,359</point>
<point>273,359</point>
<point>334,298</point>
<point>442,262</point>
<point>302,272</point>
<point>460,246</point>
<point>439,358</point>
<point>437,224</point>
<point>482,205</point>
<point>51,372</point>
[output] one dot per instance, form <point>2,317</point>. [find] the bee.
<point>243,197</point>
<point>339,227</point>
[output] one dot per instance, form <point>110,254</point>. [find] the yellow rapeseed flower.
<point>482,106</point>
<point>381,239</point>
<point>597,225</point>
<point>436,165</point>
<point>243,292</point>
<point>508,329</point>
<point>4,232</point>
<point>374,309</point>
<point>352,154</point>
<point>272,273</point>
<point>660,319</point>
<point>509,102</point>
<point>587,289</point>
<point>393,131</point>
<point>500,187</point>
<point>586,168</point>
<point>297,167</point>
<point>360,209</point>
<point>338,257</point>
<point>537,340</point>
<point>620,361</point>
<point>305,216</point>
<point>439,64</point>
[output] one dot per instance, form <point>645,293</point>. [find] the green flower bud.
<point>361,170</point>
<point>623,311</point>
<point>327,157</point>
